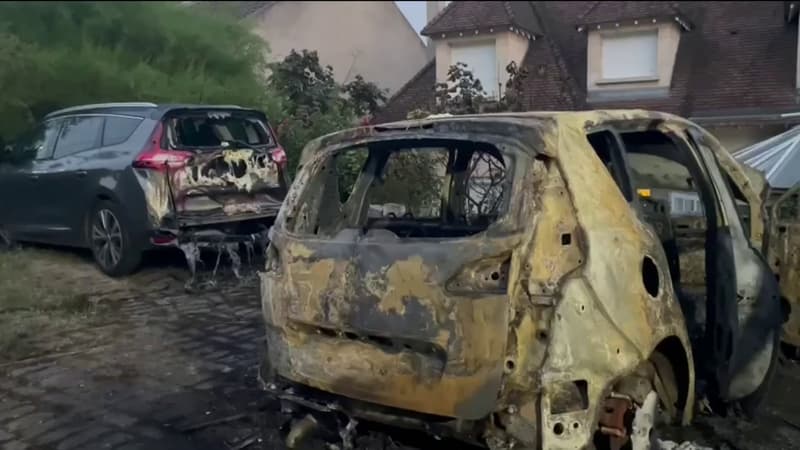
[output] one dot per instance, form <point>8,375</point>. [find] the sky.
<point>414,12</point>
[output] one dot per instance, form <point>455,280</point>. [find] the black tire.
<point>109,238</point>
<point>749,406</point>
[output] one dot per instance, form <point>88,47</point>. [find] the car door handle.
<point>80,173</point>
<point>33,177</point>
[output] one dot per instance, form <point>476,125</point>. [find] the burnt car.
<point>783,253</point>
<point>535,293</point>
<point>122,178</point>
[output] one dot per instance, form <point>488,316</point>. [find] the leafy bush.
<point>57,54</point>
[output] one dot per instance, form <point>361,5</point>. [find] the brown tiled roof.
<point>416,94</point>
<point>469,16</point>
<point>738,56</point>
<point>604,12</point>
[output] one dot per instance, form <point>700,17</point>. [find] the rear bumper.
<point>245,229</point>
<point>302,399</point>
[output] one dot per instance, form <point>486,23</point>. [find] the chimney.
<point>433,8</point>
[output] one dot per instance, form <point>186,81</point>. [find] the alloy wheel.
<point>107,238</point>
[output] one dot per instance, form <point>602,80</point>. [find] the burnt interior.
<point>672,191</point>
<point>209,129</point>
<point>408,188</point>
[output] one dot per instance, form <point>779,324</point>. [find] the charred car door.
<point>783,254</point>
<point>743,309</point>
<point>736,310</point>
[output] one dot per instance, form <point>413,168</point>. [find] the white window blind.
<point>630,55</point>
<point>481,60</point>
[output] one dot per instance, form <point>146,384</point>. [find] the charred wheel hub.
<point>615,418</point>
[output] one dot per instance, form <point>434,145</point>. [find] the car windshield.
<point>432,188</point>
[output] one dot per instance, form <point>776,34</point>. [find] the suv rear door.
<point>742,312</point>
<point>224,164</point>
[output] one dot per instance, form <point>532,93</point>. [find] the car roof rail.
<point>78,108</point>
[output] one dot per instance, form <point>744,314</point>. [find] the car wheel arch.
<point>672,351</point>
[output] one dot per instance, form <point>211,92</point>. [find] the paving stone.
<point>16,412</point>
<point>150,432</point>
<point>28,421</point>
<point>5,435</point>
<point>118,419</point>
<point>36,431</point>
<point>114,440</point>
<point>82,439</point>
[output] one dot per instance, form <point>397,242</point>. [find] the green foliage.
<point>314,104</point>
<point>413,178</point>
<point>308,86</point>
<point>462,93</point>
<point>56,54</point>
<point>364,96</point>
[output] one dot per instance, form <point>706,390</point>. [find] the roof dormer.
<point>486,36</point>
<point>631,55</point>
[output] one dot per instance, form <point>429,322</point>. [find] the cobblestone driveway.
<point>157,360</point>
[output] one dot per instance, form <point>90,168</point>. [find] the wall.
<point>373,39</point>
<point>508,47</point>
<point>737,138</point>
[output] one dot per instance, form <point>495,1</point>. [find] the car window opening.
<point>674,196</point>
<point>410,188</point>
<point>199,131</point>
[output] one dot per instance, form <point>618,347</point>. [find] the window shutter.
<point>481,60</point>
<point>630,55</point>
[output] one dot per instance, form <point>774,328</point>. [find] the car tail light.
<point>154,157</point>
<point>279,156</point>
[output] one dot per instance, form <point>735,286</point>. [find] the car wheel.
<point>110,241</point>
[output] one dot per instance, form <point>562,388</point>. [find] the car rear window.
<point>118,129</point>
<point>433,188</point>
<point>211,130</point>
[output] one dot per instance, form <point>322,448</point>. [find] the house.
<point>373,39</point>
<point>729,66</point>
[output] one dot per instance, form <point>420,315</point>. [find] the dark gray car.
<point>126,177</point>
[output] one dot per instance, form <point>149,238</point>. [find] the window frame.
<point>98,139</point>
<point>103,144</point>
<point>491,91</point>
<point>288,218</point>
<point>606,35</point>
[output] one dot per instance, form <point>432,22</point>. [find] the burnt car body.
<point>122,178</point>
<point>783,253</point>
<point>542,314</point>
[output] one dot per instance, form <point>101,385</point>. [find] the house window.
<point>685,204</point>
<point>630,55</point>
<point>481,60</point>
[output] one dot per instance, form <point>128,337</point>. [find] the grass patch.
<point>34,304</point>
